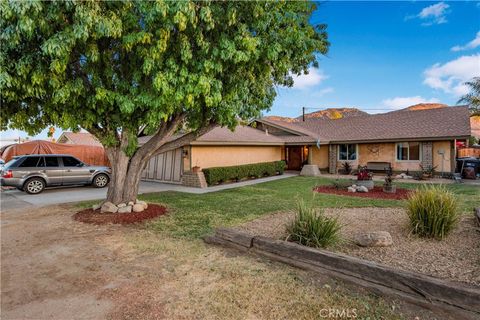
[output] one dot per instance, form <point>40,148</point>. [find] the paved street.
<point>14,199</point>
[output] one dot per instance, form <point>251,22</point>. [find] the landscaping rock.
<point>108,207</point>
<point>138,207</point>
<point>362,189</point>
<point>310,170</point>
<point>374,239</point>
<point>399,176</point>
<point>352,189</point>
<point>126,209</point>
<point>143,203</point>
<point>121,205</point>
<point>131,203</point>
<point>96,206</point>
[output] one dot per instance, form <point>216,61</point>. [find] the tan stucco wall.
<point>223,156</point>
<point>447,146</point>
<point>387,153</point>
<point>320,156</point>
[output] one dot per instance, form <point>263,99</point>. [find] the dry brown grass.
<point>212,283</point>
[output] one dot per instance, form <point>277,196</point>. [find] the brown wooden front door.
<point>294,158</point>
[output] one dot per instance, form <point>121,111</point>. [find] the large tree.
<point>121,69</point>
<point>473,97</point>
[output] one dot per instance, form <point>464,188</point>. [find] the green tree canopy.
<point>123,68</point>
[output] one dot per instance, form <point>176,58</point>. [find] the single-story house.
<point>83,138</point>
<point>403,139</point>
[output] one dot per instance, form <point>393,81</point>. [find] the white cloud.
<point>434,14</point>
<point>471,45</point>
<point>322,92</point>
<point>313,78</point>
<point>451,76</point>
<point>403,102</point>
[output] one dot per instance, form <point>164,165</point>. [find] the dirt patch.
<point>96,217</point>
<point>376,192</point>
<point>456,258</point>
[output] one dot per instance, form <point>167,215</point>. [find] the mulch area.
<point>376,193</point>
<point>96,217</point>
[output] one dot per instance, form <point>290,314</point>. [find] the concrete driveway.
<point>15,199</point>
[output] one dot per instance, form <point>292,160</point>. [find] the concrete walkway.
<point>12,199</point>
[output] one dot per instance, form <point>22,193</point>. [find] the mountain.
<point>278,118</point>
<point>425,106</point>
<point>334,113</point>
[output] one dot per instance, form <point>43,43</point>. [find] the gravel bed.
<point>456,258</point>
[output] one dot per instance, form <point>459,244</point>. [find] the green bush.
<point>257,170</point>
<point>432,211</point>
<point>313,229</point>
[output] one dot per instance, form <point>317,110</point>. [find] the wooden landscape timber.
<point>456,299</point>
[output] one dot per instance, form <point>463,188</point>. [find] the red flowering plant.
<point>363,173</point>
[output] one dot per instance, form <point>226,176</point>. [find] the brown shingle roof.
<point>241,135</point>
<point>397,125</point>
<point>83,138</point>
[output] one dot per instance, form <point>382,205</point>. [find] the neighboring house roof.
<point>83,138</point>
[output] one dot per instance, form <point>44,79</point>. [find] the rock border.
<point>453,298</point>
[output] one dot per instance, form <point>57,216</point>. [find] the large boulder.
<point>108,207</point>
<point>310,170</point>
<point>374,239</point>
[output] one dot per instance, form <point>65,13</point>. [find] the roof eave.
<point>441,138</point>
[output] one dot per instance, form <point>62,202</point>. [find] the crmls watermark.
<point>333,313</point>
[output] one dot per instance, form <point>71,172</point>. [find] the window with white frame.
<point>347,152</point>
<point>408,151</point>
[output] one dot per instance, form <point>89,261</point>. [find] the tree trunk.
<point>127,170</point>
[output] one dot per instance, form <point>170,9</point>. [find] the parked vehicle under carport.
<point>33,173</point>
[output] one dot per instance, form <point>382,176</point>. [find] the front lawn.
<point>193,215</point>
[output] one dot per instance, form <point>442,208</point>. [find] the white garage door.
<point>165,167</point>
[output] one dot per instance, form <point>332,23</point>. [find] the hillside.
<point>334,113</point>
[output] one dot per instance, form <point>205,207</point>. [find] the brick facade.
<point>427,154</point>
<point>332,158</point>
<point>194,179</point>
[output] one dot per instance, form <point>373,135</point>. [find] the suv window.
<point>70,162</point>
<point>29,162</point>
<point>51,162</point>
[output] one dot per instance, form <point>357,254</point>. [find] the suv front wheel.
<point>100,180</point>
<point>34,185</point>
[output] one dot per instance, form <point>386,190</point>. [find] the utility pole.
<point>303,114</point>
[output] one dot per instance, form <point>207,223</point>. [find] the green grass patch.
<point>195,215</point>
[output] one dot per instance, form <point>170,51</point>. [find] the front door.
<point>294,158</point>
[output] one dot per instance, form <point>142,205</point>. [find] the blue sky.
<point>388,55</point>
<point>385,55</point>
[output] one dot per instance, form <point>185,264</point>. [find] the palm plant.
<point>473,97</point>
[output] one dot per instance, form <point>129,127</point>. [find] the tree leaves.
<point>114,66</point>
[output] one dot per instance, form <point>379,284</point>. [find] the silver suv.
<point>32,173</point>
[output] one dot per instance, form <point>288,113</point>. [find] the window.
<point>51,162</point>
<point>29,162</point>
<point>408,151</point>
<point>70,162</point>
<point>347,152</point>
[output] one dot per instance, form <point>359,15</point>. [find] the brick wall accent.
<point>332,158</point>
<point>194,179</point>
<point>427,154</point>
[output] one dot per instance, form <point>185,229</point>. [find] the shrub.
<point>432,211</point>
<point>364,174</point>
<point>313,229</point>
<point>257,170</point>
<point>347,167</point>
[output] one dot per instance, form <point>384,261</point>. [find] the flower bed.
<point>376,192</point>
<point>96,217</point>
